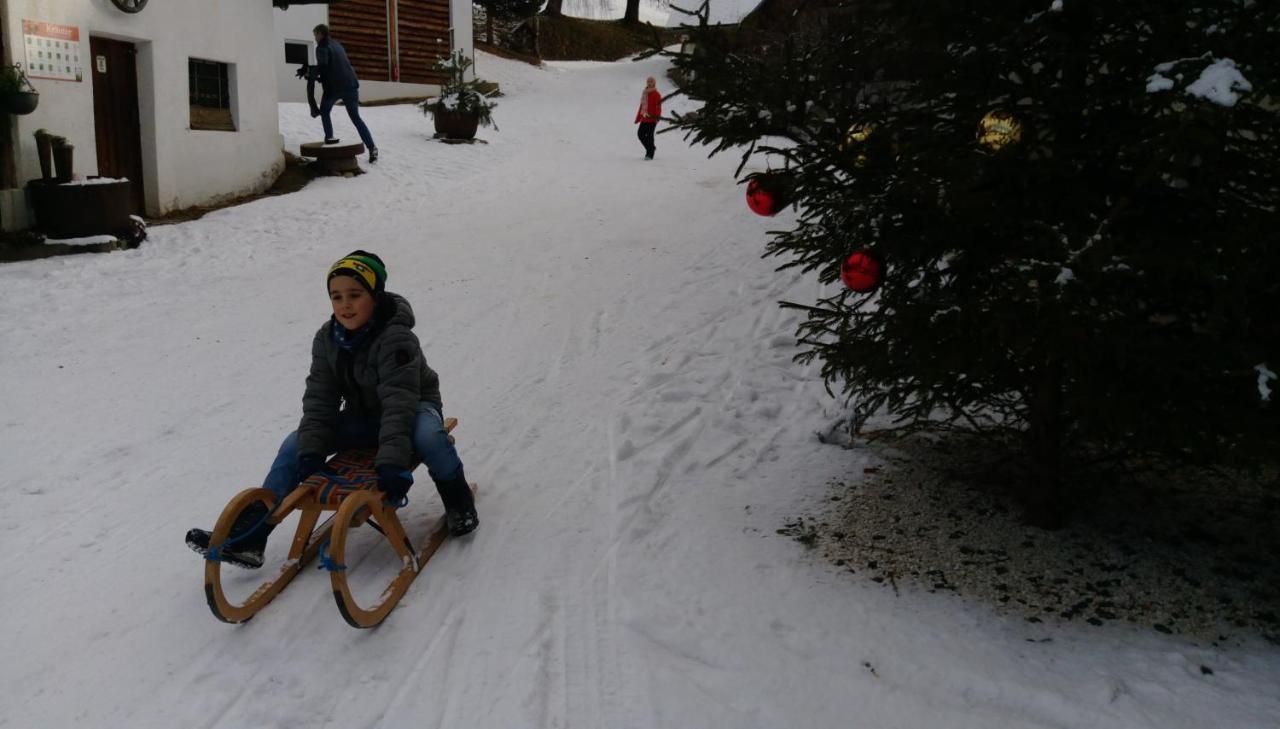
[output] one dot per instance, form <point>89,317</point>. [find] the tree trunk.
<point>632,14</point>
<point>553,8</point>
<point>488,25</point>
<point>1042,498</point>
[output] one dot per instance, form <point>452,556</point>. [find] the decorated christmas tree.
<point>1055,220</point>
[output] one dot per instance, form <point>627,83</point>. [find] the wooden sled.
<point>346,485</point>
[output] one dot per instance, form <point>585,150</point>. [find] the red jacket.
<point>650,109</point>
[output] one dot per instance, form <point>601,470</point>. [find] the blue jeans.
<point>351,100</point>
<point>430,444</point>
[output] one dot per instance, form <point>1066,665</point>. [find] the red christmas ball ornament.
<point>862,271</point>
<point>767,194</point>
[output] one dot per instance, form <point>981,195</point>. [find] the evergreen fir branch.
<point>1104,281</point>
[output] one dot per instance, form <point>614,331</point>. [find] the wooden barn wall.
<point>424,40</point>
<point>361,27</point>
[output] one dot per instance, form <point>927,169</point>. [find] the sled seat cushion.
<point>346,473</point>
<point>350,471</point>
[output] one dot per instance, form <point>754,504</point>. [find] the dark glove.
<point>308,464</point>
<point>394,482</point>
<point>302,71</point>
<point>315,110</point>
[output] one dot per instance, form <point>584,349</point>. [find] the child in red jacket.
<point>647,115</point>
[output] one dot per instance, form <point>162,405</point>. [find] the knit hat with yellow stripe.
<point>364,267</point>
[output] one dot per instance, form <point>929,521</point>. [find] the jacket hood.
<point>395,309</point>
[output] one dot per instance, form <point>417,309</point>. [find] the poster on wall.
<point>53,51</point>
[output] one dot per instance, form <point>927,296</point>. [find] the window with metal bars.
<point>209,95</point>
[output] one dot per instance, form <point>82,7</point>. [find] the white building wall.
<point>181,167</point>
<point>294,26</point>
<point>460,19</point>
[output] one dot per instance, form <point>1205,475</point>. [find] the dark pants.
<point>645,133</point>
<point>351,100</point>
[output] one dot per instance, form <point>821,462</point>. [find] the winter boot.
<point>459,505</point>
<point>331,140</point>
<point>462,521</point>
<point>246,544</point>
<point>373,155</point>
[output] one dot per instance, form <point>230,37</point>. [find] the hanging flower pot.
<point>17,95</point>
<point>20,102</point>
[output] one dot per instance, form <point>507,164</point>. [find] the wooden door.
<point>115,113</point>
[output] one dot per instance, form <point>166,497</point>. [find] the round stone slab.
<point>320,150</point>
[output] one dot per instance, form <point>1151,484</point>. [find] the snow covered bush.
<point>458,95</point>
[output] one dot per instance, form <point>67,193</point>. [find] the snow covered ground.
<point>610,340</point>
<point>654,12</point>
<point>659,12</point>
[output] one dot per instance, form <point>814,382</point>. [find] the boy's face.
<point>352,304</point>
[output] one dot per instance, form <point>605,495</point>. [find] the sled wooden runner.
<point>346,485</point>
<point>370,502</point>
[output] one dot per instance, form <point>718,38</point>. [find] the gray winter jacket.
<point>384,377</point>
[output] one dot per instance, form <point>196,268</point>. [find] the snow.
<point>610,339</point>
<point>90,240</point>
<point>654,12</point>
<point>719,12</point>
<point>1265,375</point>
<point>660,12</point>
<point>95,181</point>
<point>1219,82</point>
<point>1156,83</point>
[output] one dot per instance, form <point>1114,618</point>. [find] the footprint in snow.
<point>626,450</point>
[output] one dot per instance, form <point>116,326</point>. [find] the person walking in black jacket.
<point>338,82</point>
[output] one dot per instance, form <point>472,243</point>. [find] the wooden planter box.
<point>456,125</point>
<point>77,210</point>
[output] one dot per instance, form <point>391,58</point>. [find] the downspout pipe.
<point>393,34</point>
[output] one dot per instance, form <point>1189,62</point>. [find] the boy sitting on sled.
<point>369,386</point>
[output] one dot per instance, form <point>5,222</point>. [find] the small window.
<point>295,53</point>
<point>209,86</point>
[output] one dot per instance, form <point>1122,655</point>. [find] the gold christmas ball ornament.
<point>855,142</point>
<point>999,129</point>
<point>857,133</point>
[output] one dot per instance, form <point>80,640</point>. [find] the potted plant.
<point>463,105</point>
<point>17,95</point>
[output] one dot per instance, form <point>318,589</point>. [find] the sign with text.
<point>53,51</point>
